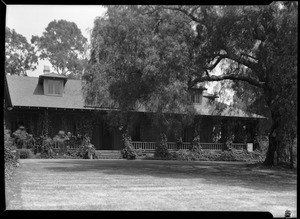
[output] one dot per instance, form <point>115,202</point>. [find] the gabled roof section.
<point>6,93</point>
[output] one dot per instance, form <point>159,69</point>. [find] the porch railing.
<point>239,146</point>
<point>173,146</point>
<point>150,146</point>
<point>62,146</point>
<point>212,146</point>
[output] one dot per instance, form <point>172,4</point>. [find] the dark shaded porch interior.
<point>104,137</point>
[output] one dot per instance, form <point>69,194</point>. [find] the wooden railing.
<point>144,145</point>
<point>212,146</point>
<point>239,146</point>
<point>172,146</point>
<point>185,146</point>
<point>62,146</point>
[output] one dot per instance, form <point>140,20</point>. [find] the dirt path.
<point>150,185</point>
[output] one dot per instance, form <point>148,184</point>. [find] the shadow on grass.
<point>219,173</point>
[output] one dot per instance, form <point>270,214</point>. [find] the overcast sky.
<point>31,20</point>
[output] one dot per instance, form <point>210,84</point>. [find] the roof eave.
<point>9,102</point>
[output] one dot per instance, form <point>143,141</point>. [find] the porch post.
<point>224,132</point>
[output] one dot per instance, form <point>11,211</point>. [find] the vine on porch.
<point>161,149</point>
<point>128,152</point>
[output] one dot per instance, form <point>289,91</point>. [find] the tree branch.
<point>252,57</point>
<point>232,77</point>
<point>253,65</point>
<point>191,16</point>
<point>149,12</point>
<point>216,63</point>
<point>194,9</point>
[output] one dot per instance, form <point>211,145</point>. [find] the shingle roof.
<point>26,92</point>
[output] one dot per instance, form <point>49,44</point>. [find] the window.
<point>53,87</point>
<point>196,97</point>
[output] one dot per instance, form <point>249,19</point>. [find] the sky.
<point>31,20</point>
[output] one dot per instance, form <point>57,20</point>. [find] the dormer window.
<point>195,95</point>
<point>53,84</point>
<point>53,87</point>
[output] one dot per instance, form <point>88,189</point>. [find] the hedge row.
<point>209,155</point>
<point>10,155</point>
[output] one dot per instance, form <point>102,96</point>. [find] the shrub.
<point>60,141</point>
<point>196,155</point>
<point>196,146</point>
<point>46,147</point>
<point>22,139</point>
<point>140,153</point>
<point>181,155</point>
<point>128,151</point>
<point>210,154</point>
<point>241,155</point>
<point>228,155</point>
<point>161,149</point>
<point>86,149</point>
<point>10,157</point>
<point>83,147</point>
<point>24,153</point>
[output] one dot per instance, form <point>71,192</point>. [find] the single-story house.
<point>57,102</point>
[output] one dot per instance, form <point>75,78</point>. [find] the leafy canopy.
<point>20,56</point>
<point>259,46</point>
<point>136,56</point>
<point>64,46</point>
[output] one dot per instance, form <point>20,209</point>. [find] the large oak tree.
<point>141,51</point>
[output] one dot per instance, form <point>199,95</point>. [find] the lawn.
<point>65,184</point>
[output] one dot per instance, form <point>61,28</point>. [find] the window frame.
<point>196,97</point>
<point>51,84</point>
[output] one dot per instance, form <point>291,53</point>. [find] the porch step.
<point>108,154</point>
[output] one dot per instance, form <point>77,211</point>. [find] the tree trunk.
<point>224,133</point>
<point>269,161</point>
<point>273,143</point>
<point>274,116</point>
<point>291,156</point>
<point>274,140</point>
<point>291,160</point>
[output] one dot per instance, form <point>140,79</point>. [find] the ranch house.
<point>58,101</point>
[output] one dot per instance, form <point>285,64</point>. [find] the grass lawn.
<point>65,184</point>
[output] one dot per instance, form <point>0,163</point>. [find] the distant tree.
<point>64,46</point>
<point>20,55</point>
